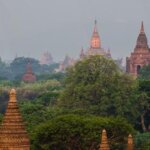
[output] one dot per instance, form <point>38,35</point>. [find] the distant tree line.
<point>16,69</point>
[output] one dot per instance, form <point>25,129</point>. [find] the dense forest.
<point>68,110</point>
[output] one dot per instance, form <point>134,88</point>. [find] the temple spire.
<point>95,26</point>
<point>95,40</point>
<point>130,143</point>
<point>104,141</point>
<point>142,28</point>
<point>142,39</point>
<point>13,135</point>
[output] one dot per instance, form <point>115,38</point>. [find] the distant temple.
<point>68,61</point>
<point>29,76</point>
<point>95,46</point>
<point>46,59</point>
<point>13,135</point>
<point>140,56</point>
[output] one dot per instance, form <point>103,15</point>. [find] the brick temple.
<point>140,56</point>
<point>29,76</point>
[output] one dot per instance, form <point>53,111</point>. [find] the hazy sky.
<point>30,27</point>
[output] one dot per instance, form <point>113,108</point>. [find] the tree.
<point>144,72</point>
<point>98,85</point>
<point>143,104</point>
<point>74,132</point>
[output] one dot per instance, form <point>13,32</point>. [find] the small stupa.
<point>104,141</point>
<point>29,76</point>
<point>130,143</point>
<point>13,135</point>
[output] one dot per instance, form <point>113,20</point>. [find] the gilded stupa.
<point>130,143</point>
<point>104,141</point>
<point>13,135</point>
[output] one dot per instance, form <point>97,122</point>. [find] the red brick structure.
<point>140,56</point>
<point>29,76</point>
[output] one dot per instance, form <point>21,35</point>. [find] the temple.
<point>29,76</point>
<point>130,145</point>
<point>104,141</point>
<point>46,58</point>
<point>140,56</point>
<point>13,135</point>
<point>95,46</point>
<point>68,61</point>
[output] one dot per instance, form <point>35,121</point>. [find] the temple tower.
<point>95,45</point>
<point>29,76</point>
<point>104,141</point>
<point>130,143</point>
<point>13,135</point>
<point>95,40</point>
<point>140,56</point>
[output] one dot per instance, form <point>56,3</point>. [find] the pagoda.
<point>140,56</point>
<point>95,46</point>
<point>13,135</point>
<point>104,141</point>
<point>130,143</point>
<point>29,76</point>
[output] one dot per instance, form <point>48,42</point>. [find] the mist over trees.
<point>16,69</point>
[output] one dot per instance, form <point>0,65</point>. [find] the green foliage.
<point>74,132</point>
<point>19,64</point>
<point>142,141</point>
<point>97,85</point>
<point>143,105</point>
<point>144,72</point>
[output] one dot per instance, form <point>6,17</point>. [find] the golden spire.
<point>13,135</point>
<point>95,40</point>
<point>104,141</point>
<point>142,28</point>
<point>130,143</point>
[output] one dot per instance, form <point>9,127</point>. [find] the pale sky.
<point>30,27</point>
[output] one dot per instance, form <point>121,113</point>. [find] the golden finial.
<point>12,95</point>
<point>130,142</point>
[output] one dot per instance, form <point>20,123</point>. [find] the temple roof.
<point>104,141</point>
<point>12,130</point>
<point>142,39</point>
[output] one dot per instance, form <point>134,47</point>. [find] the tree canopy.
<point>74,132</point>
<point>99,86</point>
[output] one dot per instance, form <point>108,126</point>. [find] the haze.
<point>30,27</point>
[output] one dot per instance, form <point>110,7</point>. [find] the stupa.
<point>29,76</point>
<point>130,143</point>
<point>13,135</point>
<point>104,141</point>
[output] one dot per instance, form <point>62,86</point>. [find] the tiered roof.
<point>142,42</point>
<point>104,141</point>
<point>13,135</point>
